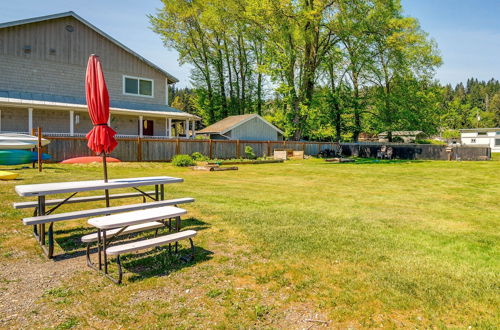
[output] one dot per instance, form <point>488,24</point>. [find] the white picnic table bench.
<point>112,226</point>
<point>42,216</point>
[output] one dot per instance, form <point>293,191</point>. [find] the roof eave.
<point>83,107</point>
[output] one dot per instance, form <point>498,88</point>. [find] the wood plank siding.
<point>254,129</point>
<point>56,61</point>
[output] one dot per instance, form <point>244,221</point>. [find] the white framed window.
<point>138,86</point>
<point>497,142</point>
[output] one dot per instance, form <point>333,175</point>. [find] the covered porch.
<point>70,119</point>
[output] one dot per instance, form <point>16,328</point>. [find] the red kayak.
<point>89,159</point>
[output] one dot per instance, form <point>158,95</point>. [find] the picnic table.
<point>110,227</point>
<point>42,216</point>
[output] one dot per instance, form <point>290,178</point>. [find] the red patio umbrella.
<point>101,138</point>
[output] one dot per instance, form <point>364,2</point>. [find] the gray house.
<point>42,81</point>
<point>243,127</point>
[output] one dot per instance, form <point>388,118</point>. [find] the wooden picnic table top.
<point>43,189</point>
<point>136,217</point>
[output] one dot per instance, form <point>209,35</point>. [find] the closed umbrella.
<point>101,138</point>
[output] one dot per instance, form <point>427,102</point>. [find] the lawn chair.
<point>382,152</point>
<point>389,152</point>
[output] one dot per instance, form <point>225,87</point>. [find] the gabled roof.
<point>93,27</point>
<point>229,123</point>
<point>482,130</point>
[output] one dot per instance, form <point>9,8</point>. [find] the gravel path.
<point>23,283</point>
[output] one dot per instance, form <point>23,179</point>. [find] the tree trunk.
<point>357,110</point>
<point>230,77</point>
<point>242,62</point>
<point>222,83</point>
<point>237,85</point>
<point>259,94</point>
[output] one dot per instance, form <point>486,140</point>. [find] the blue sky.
<point>467,31</point>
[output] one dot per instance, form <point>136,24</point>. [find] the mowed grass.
<point>398,244</point>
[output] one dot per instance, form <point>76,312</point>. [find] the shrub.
<point>198,157</point>
<point>249,152</point>
<point>451,134</point>
<point>183,160</point>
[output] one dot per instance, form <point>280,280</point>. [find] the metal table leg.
<point>40,231</point>
<point>99,247</point>
<point>104,251</point>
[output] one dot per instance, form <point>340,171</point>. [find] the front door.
<point>147,128</point>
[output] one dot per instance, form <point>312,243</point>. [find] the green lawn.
<point>293,245</point>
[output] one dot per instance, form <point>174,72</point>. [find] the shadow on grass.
<point>45,167</point>
<point>162,262</point>
<point>69,240</point>
<point>364,161</point>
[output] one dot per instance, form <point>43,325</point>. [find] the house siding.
<point>254,129</point>
<point>63,73</point>
<point>16,120</point>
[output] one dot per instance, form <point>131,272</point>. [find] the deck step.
<point>129,230</point>
<point>149,243</point>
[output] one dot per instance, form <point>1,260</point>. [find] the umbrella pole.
<point>105,167</point>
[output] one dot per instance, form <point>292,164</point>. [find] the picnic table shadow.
<point>160,262</point>
<point>69,240</point>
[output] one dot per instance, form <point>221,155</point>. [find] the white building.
<point>482,136</point>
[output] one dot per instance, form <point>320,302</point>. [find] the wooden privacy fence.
<point>155,149</point>
<point>419,151</point>
<point>149,150</point>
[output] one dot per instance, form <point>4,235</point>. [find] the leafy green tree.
<point>402,53</point>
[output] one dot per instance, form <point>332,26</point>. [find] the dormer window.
<point>138,86</point>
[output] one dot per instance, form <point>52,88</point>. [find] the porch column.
<point>30,120</point>
<point>186,128</point>
<point>194,129</point>
<point>141,125</point>
<point>71,122</point>
<point>169,127</point>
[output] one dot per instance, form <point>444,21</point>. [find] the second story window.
<point>137,86</point>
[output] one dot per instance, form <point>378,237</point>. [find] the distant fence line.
<point>154,149</point>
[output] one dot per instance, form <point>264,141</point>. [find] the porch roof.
<point>72,102</point>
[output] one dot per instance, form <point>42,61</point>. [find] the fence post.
<point>33,134</point>
<point>210,152</point>
<point>177,147</point>
<point>139,149</point>
<point>238,148</point>
<point>304,147</point>
<point>39,149</point>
